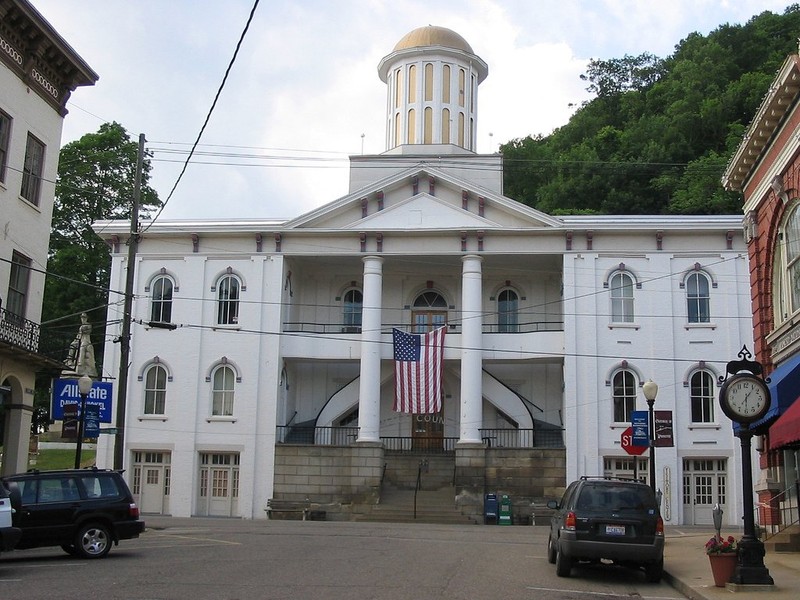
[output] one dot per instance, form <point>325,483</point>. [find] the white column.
<point>471,349</point>
<point>369,385</point>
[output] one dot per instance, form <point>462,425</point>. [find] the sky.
<point>304,93</point>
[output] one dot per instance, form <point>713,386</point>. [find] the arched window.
<point>430,312</point>
<point>508,311</point>
<point>427,126</point>
<point>786,268</point>
<point>228,300</point>
<point>698,298</point>
<point>701,387</point>
<point>222,382</point>
<point>161,299</point>
<point>412,127</point>
<point>624,391</point>
<point>352,305</point>
<point>155,390</point>
<point>428,82</point>
<point>621,285</point>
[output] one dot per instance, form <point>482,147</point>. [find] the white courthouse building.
<point>278,382</point>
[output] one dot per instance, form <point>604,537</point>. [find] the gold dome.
<point>433,36</point>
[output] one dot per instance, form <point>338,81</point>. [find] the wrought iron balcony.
<point>18,335</point>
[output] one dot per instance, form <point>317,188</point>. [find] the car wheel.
<point>69,549</point>
<point>653,571</point>
<point>563,564</point>
<point>93,541</point>
<point>551,551</point>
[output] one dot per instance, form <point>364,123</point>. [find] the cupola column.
<point>471,353</point>
<point>369,386</point>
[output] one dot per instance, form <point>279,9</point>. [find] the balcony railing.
<point>337,328</point>
<point>19,332</point>
<point>31,337</point>
<point>493,438</point>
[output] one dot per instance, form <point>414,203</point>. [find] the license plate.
<point>615,529</point>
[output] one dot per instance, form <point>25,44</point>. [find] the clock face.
<point>745,398</point>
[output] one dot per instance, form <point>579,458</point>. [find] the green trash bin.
<point>504,517</point>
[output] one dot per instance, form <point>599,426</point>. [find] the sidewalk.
<point>687,569</point>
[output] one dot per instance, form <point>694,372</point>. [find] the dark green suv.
<point>84,511</point>
<point>607,518</point>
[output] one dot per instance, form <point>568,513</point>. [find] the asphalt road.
<point>218,559</point>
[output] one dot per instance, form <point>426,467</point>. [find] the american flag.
<point>418,371</point>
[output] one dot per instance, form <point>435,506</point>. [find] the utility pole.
<point>125,336</point>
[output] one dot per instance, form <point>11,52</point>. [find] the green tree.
<point>96,176</point>
<point>659,133</point>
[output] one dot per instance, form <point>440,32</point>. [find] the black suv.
<point>607,518</point>
<point>81,510</point>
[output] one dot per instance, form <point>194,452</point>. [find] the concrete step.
<point>432,506</point>
<point>787,540</point>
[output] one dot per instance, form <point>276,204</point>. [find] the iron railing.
<point>339,328</point>
<point>19,332</point>
<point>788,511</point>
<point>28,336</point>
<point>493,438</point>
<point>320,436</point>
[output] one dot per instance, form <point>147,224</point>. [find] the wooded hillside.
<point>658,134</point>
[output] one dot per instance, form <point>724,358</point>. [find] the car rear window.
<point>100,486</point>
<point>596,497</point>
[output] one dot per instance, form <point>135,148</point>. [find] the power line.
<point>208,116</point>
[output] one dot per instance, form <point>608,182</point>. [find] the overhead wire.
<point>208,116</point>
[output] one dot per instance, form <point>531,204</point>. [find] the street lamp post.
<point>650,390</point>
<point>84,387</point>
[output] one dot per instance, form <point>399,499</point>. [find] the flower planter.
<point>722,567</point>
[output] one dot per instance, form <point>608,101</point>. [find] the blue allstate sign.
<point>66,391</point>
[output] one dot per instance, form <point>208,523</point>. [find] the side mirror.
<point>552,504</point>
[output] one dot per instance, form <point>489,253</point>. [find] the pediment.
<point>423,198</point>
<point>422,211</point>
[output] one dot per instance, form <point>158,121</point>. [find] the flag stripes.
<point>418,360</point>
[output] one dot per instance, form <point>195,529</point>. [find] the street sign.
<point>663,429</point>
<point>109,430</point>
<point>65,392</point>
<point>626,441</point>
<point>641,429</point>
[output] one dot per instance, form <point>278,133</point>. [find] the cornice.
<point>39,56</point>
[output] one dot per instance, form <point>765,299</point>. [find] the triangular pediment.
<point>423,198</point>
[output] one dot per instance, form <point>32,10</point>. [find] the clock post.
<point>745,397</point>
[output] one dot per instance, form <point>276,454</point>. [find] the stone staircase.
<point>787,540</point>
<point>435,500</point>
<point>432,506</point>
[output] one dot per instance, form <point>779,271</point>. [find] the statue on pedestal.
<point>81,352</point>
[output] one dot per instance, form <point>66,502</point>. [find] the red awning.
<point>786,430</point>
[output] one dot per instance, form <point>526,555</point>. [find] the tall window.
<point>792,243</point>
<point>702,390</point>
<point>228,300</point>
<point>621,285</point>
<point>161,303</point>
<point>155,390</point>
<point>698,298</point>
<point>352,306</point>
<point>5,136</point>
<point>32,170</point>
<point>428,82</point>
<point>222,392</point>
<point>508,311</point>
<point>18,285</point>
<point>624,390</point>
